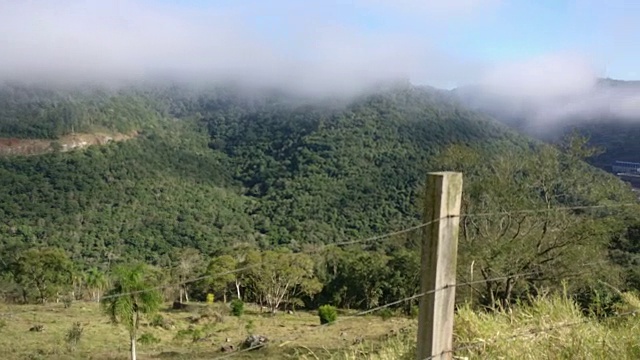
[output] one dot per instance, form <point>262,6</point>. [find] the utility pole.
<point>438,265</point>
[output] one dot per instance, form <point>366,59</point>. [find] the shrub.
<point>328,314</point>
<point>159,321</point>
<point>598,301</point>
<point>385,313</point>
<point>249,326</point>
<point>194,334</point>
<point>237,307</point>
<point>74,334</point>
<point>67,301</point>
<point>148,339</point>
<point>415,310</point>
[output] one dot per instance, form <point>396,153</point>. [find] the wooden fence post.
<point>438,268</point>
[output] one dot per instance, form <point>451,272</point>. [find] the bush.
<point>237,307</point>
<point>67,301</point>
<point>148,339</point>
<point>598,301</point>
<point>74,334</point>
<point>249,326</point>
<point>328,314</point>
<point>193,334</point>
<point>159,321</point>
<point>415,310</point>
<point>385,313</point>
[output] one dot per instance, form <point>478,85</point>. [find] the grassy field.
<point>196,334</point>
<point>548,328</point>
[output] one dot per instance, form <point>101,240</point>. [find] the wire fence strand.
<point>372,239</point>
<point>378,238</point>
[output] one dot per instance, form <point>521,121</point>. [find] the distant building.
<point>626,167</point>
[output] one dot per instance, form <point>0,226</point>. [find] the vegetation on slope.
<point>38,112</point>
<point>214,174</point>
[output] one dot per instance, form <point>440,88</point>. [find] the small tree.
<point>132,295</point>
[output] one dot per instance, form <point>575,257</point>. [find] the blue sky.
<point>606,32</point>
<point>325,44</point>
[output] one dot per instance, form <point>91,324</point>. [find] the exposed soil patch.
<point>14,147</point>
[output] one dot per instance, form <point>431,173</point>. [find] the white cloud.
<point>71,40</point>
<point>553,90</point>
<point>543,78</point>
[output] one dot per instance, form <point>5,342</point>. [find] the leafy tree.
<point>529,249</point>
<point>133,295</point>
<point>46,270</point>
<point>283,276</point>
<point>188,264</point>
<point>221,277</point>
<point>97,282</point>
<point>358,279</point>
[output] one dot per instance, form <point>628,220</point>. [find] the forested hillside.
<point>232,170</point>
<point>215,173</point>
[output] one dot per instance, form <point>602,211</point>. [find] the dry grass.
<point>548,328</point>
<point>102,340</point>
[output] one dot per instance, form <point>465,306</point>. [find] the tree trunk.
<point>133,346</point>
<point>224,297</point>
<point>133,336</point>
<point>181,294</point>
<point>186,294</point>
<point>238,290</point>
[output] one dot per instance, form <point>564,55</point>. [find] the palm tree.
<point>96,283</point>
<point>133,294</point>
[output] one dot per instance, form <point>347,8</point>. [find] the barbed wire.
<point>249,267</point>
<point>409,298</point>
<point>551,209</point>
<point>368,240</point>
<point>377,238</point>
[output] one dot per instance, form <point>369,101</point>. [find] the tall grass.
<point>545,328</point>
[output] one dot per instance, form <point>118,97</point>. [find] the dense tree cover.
<point>218,182</point>
<point>37,112</point>
<point>255,171</point>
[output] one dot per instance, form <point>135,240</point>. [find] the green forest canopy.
<point>214,170</point>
